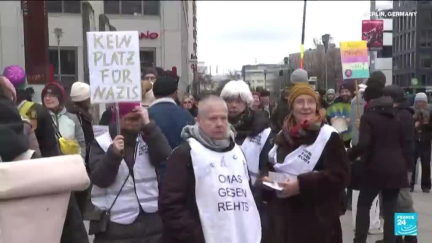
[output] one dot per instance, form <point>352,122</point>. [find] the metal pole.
<point>117,118</point>
<point>303,35</point>
<point>265,79</point>
<point>325,58</point>
<point>372,53</point>
<point>58,61</point>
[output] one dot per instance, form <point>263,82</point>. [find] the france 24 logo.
<point>405,224</point>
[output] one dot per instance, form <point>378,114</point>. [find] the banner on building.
<point>35,22</point>
<point>373,33</point>
<point>114,65</point>
<point>354,57</point>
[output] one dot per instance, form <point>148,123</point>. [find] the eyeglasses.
<point>149,78</point>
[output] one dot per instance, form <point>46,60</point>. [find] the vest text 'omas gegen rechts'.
<point>226,206</point>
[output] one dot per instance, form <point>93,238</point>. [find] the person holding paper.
<point>207,195</point>
<point>124,178</point>
<point>312,157</point>
<point>253,134</point>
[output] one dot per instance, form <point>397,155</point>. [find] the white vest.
<point>126,209</point>
<point>226,206</point>
<point>304,158</point>
<point>252,147</point>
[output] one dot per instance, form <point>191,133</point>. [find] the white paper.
<point>273,185</point>
<point>114,65</point>
<point>278,177</point>
<point>99,130</point>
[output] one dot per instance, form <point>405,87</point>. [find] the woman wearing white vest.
<point>253,135</point>
<point>312,158</point>
<point>125,186</point>
<point>207,196</point>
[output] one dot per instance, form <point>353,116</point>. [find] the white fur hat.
<point>235,89</point>
<point>80,91</point>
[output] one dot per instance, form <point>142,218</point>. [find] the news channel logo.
<point>405,224</point>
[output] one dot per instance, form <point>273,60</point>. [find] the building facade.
<point>412,45</point>
<point>314,63</point>
<point>384,59</point>
<point>167,34</point>
<point>265,76</point>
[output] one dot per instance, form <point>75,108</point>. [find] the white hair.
<point>235,89</point>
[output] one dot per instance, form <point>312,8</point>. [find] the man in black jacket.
<point>405,114</point>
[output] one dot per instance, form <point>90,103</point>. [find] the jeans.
<point>365,200</point>
<point>422,151</point>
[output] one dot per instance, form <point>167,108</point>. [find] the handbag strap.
<point>56,129</point>
<point>118,194</point>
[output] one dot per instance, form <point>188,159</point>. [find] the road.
<point>423,205</point>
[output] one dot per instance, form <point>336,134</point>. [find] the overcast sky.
<point>232,34</point>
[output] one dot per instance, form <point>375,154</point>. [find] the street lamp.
<point>325,40</point>
<point>59,33</point>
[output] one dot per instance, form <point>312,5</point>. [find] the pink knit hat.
<point>16,75</point>
<point>124,109</point>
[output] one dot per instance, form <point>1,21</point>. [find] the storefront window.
<point>64,7</point>
<point>132,7</point>
<point>68,59</point>
<point>151,7</point>
<point>426,61</point>
<point>148,57</point>
<point>112,7</point>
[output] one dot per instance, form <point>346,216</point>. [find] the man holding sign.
<point>207,195</point>
<point>125,186</point>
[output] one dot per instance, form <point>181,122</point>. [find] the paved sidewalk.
<point>423,206</point>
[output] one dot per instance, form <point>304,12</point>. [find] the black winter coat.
<point>312,216</point>
<point>405,115</point>
<point>382,145</point>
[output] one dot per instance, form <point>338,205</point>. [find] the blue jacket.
<point>171,119</point>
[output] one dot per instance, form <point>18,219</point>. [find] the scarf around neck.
<point>293,131</point>
<point>194,131</point>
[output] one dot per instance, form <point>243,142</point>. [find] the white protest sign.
<point>114,65</point>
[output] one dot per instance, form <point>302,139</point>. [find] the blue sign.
<point>405,224</point>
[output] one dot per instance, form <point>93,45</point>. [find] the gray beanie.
<point>299,75</point>
<point>330,91</point>
<point>421,97</point>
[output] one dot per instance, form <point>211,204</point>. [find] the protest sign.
<point>114,64</point>
<point>354,57</point>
